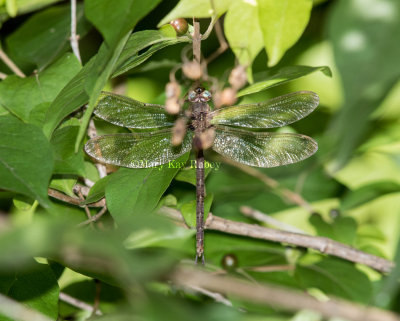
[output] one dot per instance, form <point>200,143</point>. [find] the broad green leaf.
<point>189,210</point>
<point>66,161</point>
<point>282,23</point>
<point>96,78</point>
<point>136,192</point>
<point>367,193</point>
<point>138,41</point>
<point>342,229</point>
<point>196,8</point>
<point>21,95</point>
<point>64,184</point>
<point>104,14</point>
<point>349,283</point>
<point>37,289</point>
<point>45,35</point>
<point>70,98</point>
<point>26,159</point>
<point>283,75</point>
<point>243,32</point>
<point>188,174</point>
<point>366,58</point>
<point>98,190</point>
<point>12,7</point>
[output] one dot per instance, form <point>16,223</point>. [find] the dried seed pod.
<point>238,77</point>
<point>173,90</point>
<point>180,25</point>
<point>192,70</point>
<point>207,138</point>
<point>227,97</point>
<point>172,106</point>
<point>178,131</point>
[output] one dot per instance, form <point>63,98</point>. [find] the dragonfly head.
<point>199,95</point>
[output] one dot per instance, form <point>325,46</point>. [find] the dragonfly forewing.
<point>137,150</point>
<point>126,112</point>
<point>276,112</point>
<point>262,149</point>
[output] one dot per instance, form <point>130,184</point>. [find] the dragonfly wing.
<point>276,112</point>
<point>263,149</point>
<point>127,112</point>
<point>137,150</point>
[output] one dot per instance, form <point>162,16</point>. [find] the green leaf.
<point>188,174</point>
<point>138,41</point>
<point>189,210</point>
<point>136,192</point>
<point>284,75</point>
<point>66,160</point>
<point>37,289</point>
<point>243,32</point>
<point>26,159</point>
<point>70,98</point>
<point>64,184</point>
<point>11,7</point>
<point>45,36</point>
<point>367,59</point>
<point>98,190</point>
<point>282,23</point>
<point>368,193</point>
<point>21,95</point>
<point>342,229</point>
<point>349,283</point>
<point>96,78</point>
<point>104,14</point>
<point>196,8</point>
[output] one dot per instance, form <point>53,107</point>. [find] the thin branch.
<point>94,218</point>
<point>214,295</point>
<point>289,299</point>
<point>285,193</point>
<point>78,303</point>
<point>223,45</point>
<point>18,311</point>
<point>196,41</point>
<point>92,132</point>
<point>264,218</point>
<point>87,211</point>
<point>10,64</point>
<point>96,303</point>
<point>73,200</point>
<point>74,37</point>
<point>318,243</point>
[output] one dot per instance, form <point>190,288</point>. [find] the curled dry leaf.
<point>226,97</point>
<point>192,70</point>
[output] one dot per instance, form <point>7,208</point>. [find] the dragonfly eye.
<point>192,96</point>
<point>206,95</point>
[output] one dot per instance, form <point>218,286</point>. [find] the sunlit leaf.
<point>189,210</point>
<point>282,23</point>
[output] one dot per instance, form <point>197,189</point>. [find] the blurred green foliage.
<point>352,183</point>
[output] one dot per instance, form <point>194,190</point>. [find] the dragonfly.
<point>237,132</point>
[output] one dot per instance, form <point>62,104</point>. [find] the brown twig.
<point>223,45</point>
<point>10,64</point>
<point>286,298</point>
<point>74,37</point>
<point>87,211</point>
<point>78,303</point>
<point>97,297</point>
<point>214,295</point>
<point>264,218</point>
<point>73,200</point>
<point>285,193</point>
<point>196,41</point>
<point>321,244</point>
<point>94,218</point>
